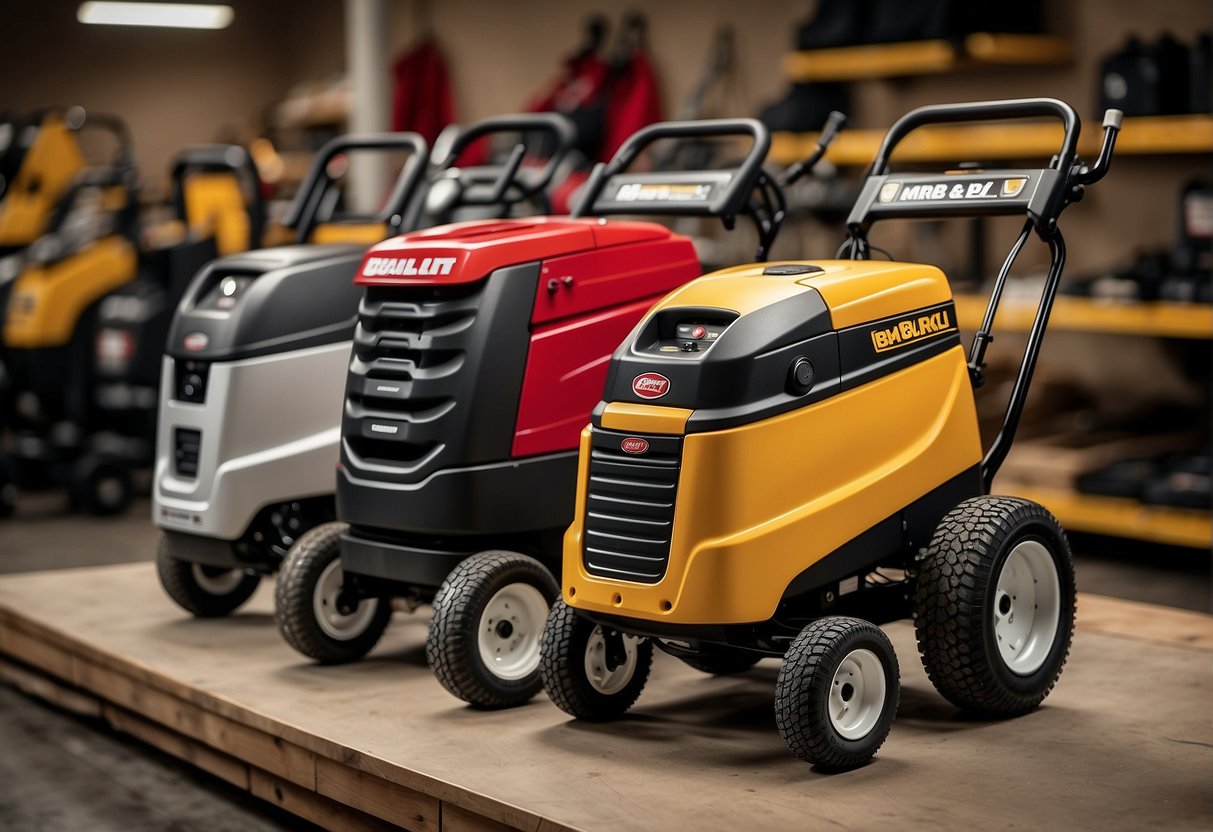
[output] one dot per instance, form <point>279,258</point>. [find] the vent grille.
<point>406,347</point>
<point>630,506</point>
<point>187,442</point>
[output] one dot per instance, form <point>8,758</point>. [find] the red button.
<point>698,332</point>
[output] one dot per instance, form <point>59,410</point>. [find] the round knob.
<point>800,375</point>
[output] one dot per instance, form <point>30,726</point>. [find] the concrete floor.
<point>60,772</point>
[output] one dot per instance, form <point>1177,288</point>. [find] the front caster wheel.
<point>837,693</point>
<point>591,672</point>
<point>994,605</point>
<point>205,591</point>
<point>483,642</point>
<point>317,615</point>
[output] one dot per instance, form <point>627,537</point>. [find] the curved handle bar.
<point>558,127</point>
<point>221,158</point>
<point>984,111</point>
<point>303,211</point>
<point>732,201</point>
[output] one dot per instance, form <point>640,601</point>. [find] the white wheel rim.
<point>1027,607</point>
<point>604,680</point>
<point>333,623</point>
<point>510,630</point>
<point>220,583</point>
<point>857,694</point>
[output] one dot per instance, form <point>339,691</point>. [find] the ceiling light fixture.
<point>173,15</point>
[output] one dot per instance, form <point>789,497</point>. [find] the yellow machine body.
<point>51,163</point>
<point>48,300</point>
<point>216,207</point>
<point>759,503</point>
<point>364,233</point>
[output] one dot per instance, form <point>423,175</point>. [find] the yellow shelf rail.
<point>1151,318</point>
<point>924,57</point>
<point>1143,135</point>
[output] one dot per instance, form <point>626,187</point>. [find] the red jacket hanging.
<point>634,102</point>
<point>421,97</point>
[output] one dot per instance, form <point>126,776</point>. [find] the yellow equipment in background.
<point>49,166</point>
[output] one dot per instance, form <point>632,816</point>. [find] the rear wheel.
<point>205,591</point>
<point>837,693</point>
<point>592,672</point>
<point>317,612</point>
<point>489,614</point>
<point>995,605</point>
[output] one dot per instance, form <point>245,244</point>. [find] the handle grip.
<point>834,124</point>
<point>735,196</point>
<point>1016,108</point>
<point>1112,121</point>
<point>302,214</point>
<point>553,125</point>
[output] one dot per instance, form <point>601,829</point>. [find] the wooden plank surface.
<point>696,752</point>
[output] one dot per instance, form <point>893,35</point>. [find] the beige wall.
<point>176,87</point>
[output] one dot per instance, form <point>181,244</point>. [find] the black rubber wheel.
<point>720,661</point>
<point>837,693</point>
<point>102,487</point>
<point>570,643</point>
<point>966,602</point>
<point>205,591</point>
<point>489,614</point>
<point>306,602</point>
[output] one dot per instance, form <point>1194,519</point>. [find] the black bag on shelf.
<point>1200,83</point>
<point>1146,79</point>
<point>851,22</point>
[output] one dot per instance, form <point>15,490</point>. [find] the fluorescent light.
<point>175,15</point>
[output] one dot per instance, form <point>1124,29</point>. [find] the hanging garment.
<point>580,94</point>
<point>421,97</point>
<point>634,101</point>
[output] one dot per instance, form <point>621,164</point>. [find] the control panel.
<point>226,293</point>
<point>686,332</point>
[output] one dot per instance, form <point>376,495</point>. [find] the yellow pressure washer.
<point>88,314</point>
<point>788,454</point>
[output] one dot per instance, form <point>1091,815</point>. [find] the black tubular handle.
<point>732,200</point>
<point>221,158</point>
<point>1014,108</point>
<point>303,212</point>
<point>548,125</point>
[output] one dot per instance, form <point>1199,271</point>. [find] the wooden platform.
<point>1125,741</point>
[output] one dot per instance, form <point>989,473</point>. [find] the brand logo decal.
<point>954,191</point>
<point>1012,187</point>
<point>912,329</point>
<point>410,266</point>
<point>195,341</point>
<point>390,429</point>
<point>634,445</point>
<point>650,385</point>
<point>640,192</point>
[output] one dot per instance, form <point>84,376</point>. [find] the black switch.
<point>800,376</point>
<point>690,346</point>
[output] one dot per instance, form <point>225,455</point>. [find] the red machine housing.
<point>596,279</point>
